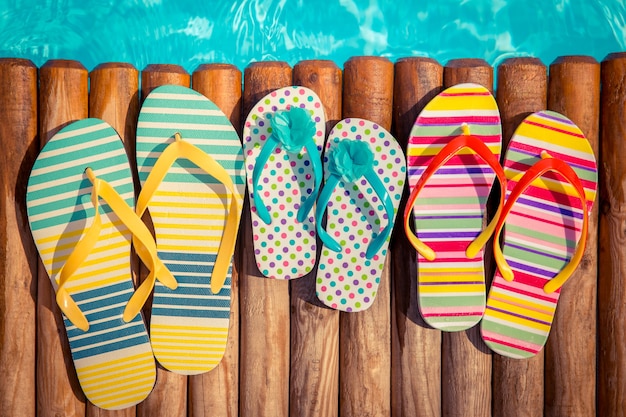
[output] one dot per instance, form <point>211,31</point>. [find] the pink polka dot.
<point>330,261</point>
<point>260,109</point>
<point>394,174</point>
<point>281,206</point>
<point>286,263</point>
<point>343,206</point>
<point>354,223</point>
<point>368,285</point>
<point>317,105</point>
<point>270,250</point>
<point>266,194</point>
<point>323,288</point>
<point>273,94</point>
<point>383,157</point>
<point>299,248</point>
<point>336,234</point>
<point>351,295</point>
<point>358,267</point>
<point>283,235</point>
<point>301,91</point>
<point>361,123</point>
<point>348,250</point>
<point>344,134</point>
<point>340,278</point>
<point>256,237</point>
<point>372,140</point>
<point>334,305</point>
<point>294,192</point>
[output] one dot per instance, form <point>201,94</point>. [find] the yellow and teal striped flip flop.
<point>190,163</point>
<point>80,201</point>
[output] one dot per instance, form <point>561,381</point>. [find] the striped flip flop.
<point>80,201</point>
<point>190,164</point>
<point>453,154</point>
<point>364,175</point>
<point>283,139</point>
<point>552,181</point>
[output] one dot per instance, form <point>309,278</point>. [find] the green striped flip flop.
<point>83,235</point>
<point>190,164</point>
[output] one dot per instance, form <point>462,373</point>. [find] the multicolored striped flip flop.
<point>283,139</point>
<point>190,164</point>
<point>453,154</point>
<point>364,174</point>
<point>552,181</point>
<point>83,235</point>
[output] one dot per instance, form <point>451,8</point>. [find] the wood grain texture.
<point>18,255</point>
<point>264,303</point>
<point>62,99</point>
<point>466,360</point>
<point>570,354</point>
<point>314,379</point>
<point>169,396</point>
<point>612,240</point>
<point>365,337</point>
<point>522,90</point>
<point>415,348</point>
<point>216,393</point>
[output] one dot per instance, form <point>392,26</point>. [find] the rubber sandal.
<point>80,203</point>
<point>364,175</point>
<point>283,139</point>
<point>190,164</point>
<point>453,154</point>
<point>552,182</point>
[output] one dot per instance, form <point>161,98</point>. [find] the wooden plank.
<point>216,393</point>
<point>314,327</point>
<point>522,90</point>
<point>416,348</point>
<point>62,99</point>
<point>570,357</point>
<point>114,98</point>
<point>169,396</point>
<point>18,255</point>
<point>365,337</point>
<point>612,240</point>
<point>264,303</point>
<point>466,360</point>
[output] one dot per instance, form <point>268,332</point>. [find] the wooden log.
<point>18,255</point>
<point>522,90</point>
<point>570,357</point>
<point>169,396</point>
<point>216,393</point>
<point>365,337</point>
<point>416,348</point>
<point>114,98</point>
<point>264,303</point>
<point>314,327</point>
<point>612,239</point>
<point>466,360</point>
<point>63,98</point>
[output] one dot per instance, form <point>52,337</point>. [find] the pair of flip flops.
<point>82,214</point>
<point>549,178</point>
<point>364,172</point>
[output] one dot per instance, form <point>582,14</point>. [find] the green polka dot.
<point>357,304</point>
<point>336,270</point>
<point>274,186</point>
<point>279,271</point>
<point>306,241</point>
<point>292,256</point>
<point>277,243</point>
<point>346,287</point>
<point>290,228</point>
<point>367,131</point>
<point>262,229</point>
<point>289,199</point>
<point>325,253</point>
<point>379,148</point>
<point>264,258</point>
<point>329,298</point>
<point>267,101</point>
<point>254,117</point>
<point>296,99</point>
<point>339,125</point>
<point>319,280</point>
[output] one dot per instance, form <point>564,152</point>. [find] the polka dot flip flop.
<point>283,138</point>
<point>364,174</point>
<point>552,184</point>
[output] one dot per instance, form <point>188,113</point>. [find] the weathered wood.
<point>264,303</point>
<point>216,393</point>
<point>314,379</point>
<point>416,348</point>
<point>466,360</point>
<point>570,357</point>
<point>62,99</point>
<point>18,255</point>
<point>365,337</point>
<point>612,240</point>
<point>169,396</point>
<point>522,90</point>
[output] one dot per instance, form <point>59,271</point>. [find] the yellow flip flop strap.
<point>547,163</point>
<point>182,149</point>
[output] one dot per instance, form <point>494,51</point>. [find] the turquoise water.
<point>193,32</point>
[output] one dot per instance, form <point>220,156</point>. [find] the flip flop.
<point>364,174</point>
<point>283,139</point>
<point>80,201</point>
<point>552,182</point>
<point>453,154</point>
<point>190,165</point>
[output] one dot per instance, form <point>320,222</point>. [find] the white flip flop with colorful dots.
<point>283,139</point>
<point>364,174</point>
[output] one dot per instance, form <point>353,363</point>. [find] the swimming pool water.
<point>193,32</point>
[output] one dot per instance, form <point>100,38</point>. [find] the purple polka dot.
<point>287,92</point>
<point>327,275</point>
<point>349,309</point>
<point>366,299</point>
<point>279,165</point>
<point>285,249</point>
<point>281,193</point>
<point>300,262</point>
<point>398,160</point>
<point>386,143</point>
<point>374,199</point>
<point>261,123</point>
<point>345,264</point>
<point>373,271</point>
<point>274,108</point>
<point>351,237</point>
<point>340,220</point>
<point>368,227</point>
<point>317,119</point>
<point>257,252</point>
<point>338,292</point>
<point>381,171</point>
<point>250,167</point>
<point>255,223</point>
<point>283,221</point>
<point>270,237</point>
<point>356,282</point>
<point>299,234</point>
<point>347,120</point>
<point>266,180</point>
<point>375,126</point>
<point>358,137</point>
<point>272,264</point>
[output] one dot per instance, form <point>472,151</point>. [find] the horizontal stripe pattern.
<point>540,236</point>
<point>189,212</point>
<point>448,213</point>
<point>60,211</point>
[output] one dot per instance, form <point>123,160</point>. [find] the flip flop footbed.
<point>189,325</point>
<point>113,359</point>
<point>285,248</point>
<point>449,211</point>
<point>540,235</point>
<point>346,280</point>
